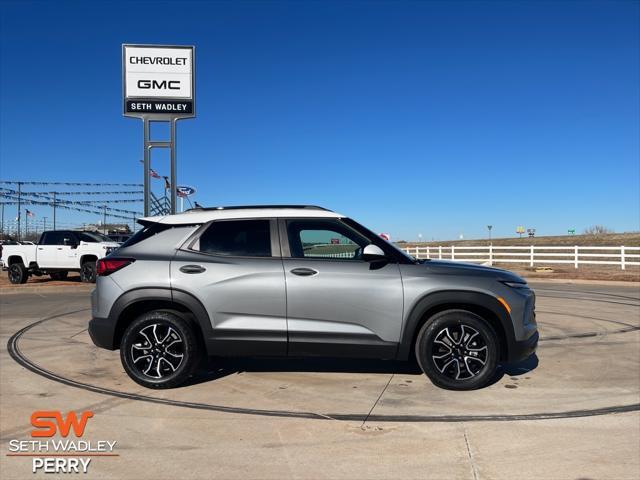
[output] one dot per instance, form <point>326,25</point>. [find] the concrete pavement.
<point>343,419</point>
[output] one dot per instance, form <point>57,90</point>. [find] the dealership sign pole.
<point>158,84</point>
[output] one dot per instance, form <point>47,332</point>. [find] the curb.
<point>46,289</point>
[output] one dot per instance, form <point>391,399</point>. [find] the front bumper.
<point>102,332</point>
<point>519,351</point>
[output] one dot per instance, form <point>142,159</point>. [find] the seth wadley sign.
<point>158,80</point>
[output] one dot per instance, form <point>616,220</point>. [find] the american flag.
<point>29,213</point>
<point>153,173</point>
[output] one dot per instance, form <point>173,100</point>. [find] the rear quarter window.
<point>159,238</point>
<point>147,231</point>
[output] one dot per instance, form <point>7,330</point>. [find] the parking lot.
<point>569,412</point>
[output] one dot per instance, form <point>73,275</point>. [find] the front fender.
<point>477,302</point>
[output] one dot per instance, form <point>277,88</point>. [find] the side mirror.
<point>371,253</point>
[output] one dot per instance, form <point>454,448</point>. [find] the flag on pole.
<point>153,173</point>
<point>167,185</point>
<point>30,213</point>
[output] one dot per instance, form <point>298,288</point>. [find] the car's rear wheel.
<point>59,275</point>
<point>160,350</point>
<point>18,273</point>
<point>88,272</point>
<point>457,350</point>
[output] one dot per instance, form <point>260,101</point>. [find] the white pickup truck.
<point>57,253</point>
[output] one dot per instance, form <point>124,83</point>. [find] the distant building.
<point>110,228</point>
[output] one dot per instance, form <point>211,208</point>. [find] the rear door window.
<point>238,238</point>
<point>53,238</point>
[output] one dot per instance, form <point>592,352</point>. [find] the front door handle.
<point>192,269</point>
<point>304,272</point>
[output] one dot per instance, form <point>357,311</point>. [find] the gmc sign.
<point>158,80</point>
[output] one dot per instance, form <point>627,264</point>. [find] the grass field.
<point>631,239</point>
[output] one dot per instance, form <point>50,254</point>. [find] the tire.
<point>88,272</point>
<point>457,350</point>
<point>18,274</point>
<point>173,352</point>
<point>59,275</point>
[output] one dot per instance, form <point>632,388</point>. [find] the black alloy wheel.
<point>18,274</point>
<point>458,350</point>
<point>160,350</point>
<point>88,272</point>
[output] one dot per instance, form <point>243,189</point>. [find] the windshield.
<point>93,237</point>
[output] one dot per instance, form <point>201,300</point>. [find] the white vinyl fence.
<point>532,255</point>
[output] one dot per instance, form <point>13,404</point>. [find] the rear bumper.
<point>102,332</point>
<point>519,351</point>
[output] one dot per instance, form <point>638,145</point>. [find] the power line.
<point>65,205</point>
<point>52,200</point>
<point>128,192</point>
<point>4,182</point>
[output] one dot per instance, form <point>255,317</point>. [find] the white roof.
<point>207,215</point>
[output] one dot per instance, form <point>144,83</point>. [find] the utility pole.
<point>54,210</point>
<point>19,207</point>
<point>104,220</point>
<point>44,224</point>
<point>2,227</point>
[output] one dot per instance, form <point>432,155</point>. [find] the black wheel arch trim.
<point>145,294</point>
<point>88,257</point>
<point>435,302</point>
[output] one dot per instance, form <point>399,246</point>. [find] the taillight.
<point>106,266</point>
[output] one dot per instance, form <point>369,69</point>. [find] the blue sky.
<point>413,117</point>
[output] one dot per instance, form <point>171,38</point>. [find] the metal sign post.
<point>158,84</point>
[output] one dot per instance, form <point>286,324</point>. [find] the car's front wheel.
<point>457,350</point>
<point>159,350</point>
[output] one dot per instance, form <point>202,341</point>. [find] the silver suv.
<point>298,281</point>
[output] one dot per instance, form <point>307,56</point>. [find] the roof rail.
<point>244,207</point>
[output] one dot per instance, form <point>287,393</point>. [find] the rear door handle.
<point>192,269</point>
<point>304,272</point>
